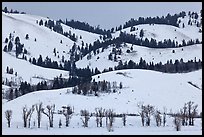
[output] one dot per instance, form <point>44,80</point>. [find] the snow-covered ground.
<point>139,86</point>
<point>133,127</point>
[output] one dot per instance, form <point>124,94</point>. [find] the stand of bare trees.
<point>145,113</point>
<point>192,112</point>
<point>27,113</point>
<point>67,112</point>
<point>100,113</point>
<point>110,116</point>
<point>177,122</point>
<point>188,113</point>
<point>158,117</point>
<point>85,114</point>
<point>8,115</point>
<point>49,113</point>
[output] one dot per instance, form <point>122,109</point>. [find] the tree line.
<point>12,11</point>
<point>179,66</point>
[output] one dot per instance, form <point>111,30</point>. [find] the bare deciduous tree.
<point>39,112</point>
<point>177,122</point>
<point>85,114</point>
<point>49,113</point>
<point>184,116</point>
<point>100,113</point>
<point>26,113</point>
<point>30,115</point>
<point>110,115</point>
<point>164,116</point>
<point>157,118</point>
<point>8,115</point>
<point>124,116</point>
<point>60,123</point>
<point>67,112</point>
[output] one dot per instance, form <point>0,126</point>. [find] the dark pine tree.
<point>141,33</point>
<point>40,61</point>
<point>5,48</point>
<point>10,46</point>
<point>6,40</point>
<point>27,36</point>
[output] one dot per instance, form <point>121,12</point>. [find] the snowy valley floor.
<point>133,127</point>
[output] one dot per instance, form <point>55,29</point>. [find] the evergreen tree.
<point>5,10</point>
<point>34,61</point>
<point>19,49</point>
<point>16,93</point>
<point>56,83</point>
<point>27,36</point>
<point>10,46</point>
<point>11,94</point>
<point>5,48</point>
<point>7,69</point>
<point>110,57</point>
<point>40,61</point>
<point>41,22</point>
<point>141,33</point>
<point>17,40</point>
<point>6,40</point>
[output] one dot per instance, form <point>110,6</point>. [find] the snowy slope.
<point>28,71</point>
<point>148,54</point>
<point>140,86</point>
<point>161,31</point>
<point>156,88</point>
<point>47,40</point>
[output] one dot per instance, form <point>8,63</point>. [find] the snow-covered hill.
<point>161,32</point>
<point>146,86</point>
<point>46,40</point>
<point>148,54</point>
<point>139,86</point>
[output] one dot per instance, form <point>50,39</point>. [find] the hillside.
<point>139,86</point>
<point>170,94</point>
<point>148,54</point>
<point>159,32</point>
<point>46,40</point>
